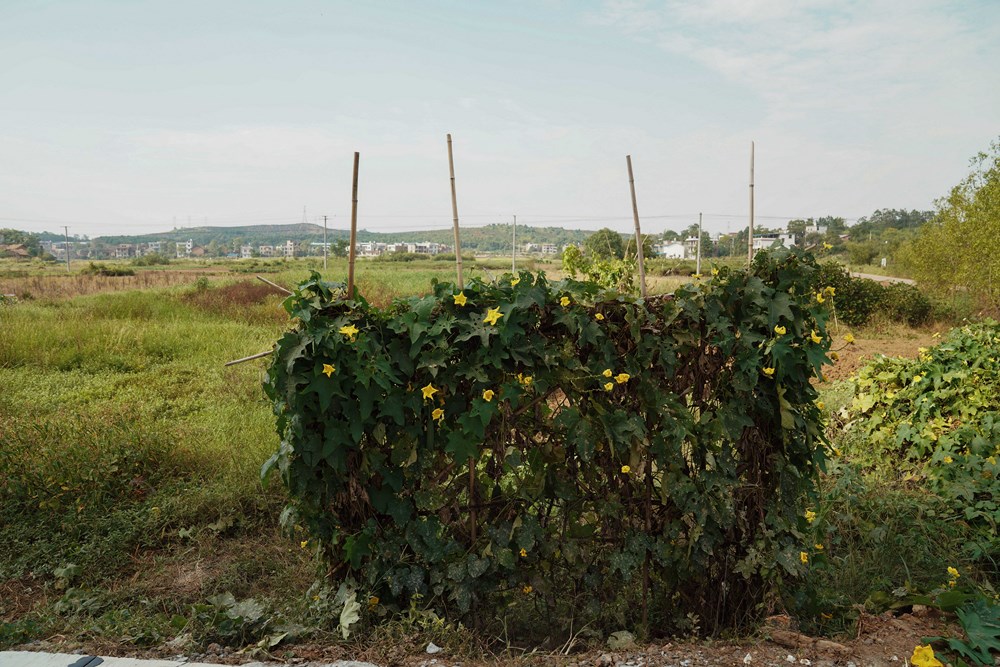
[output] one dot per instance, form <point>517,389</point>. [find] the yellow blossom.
<point>303,544</point>
<point>373,601</point>
<point>804,557</point>
<point>524,553</point>
<point>821,405</point>
<point>488,395</point>
<point>827,246</point>
<point>622,378</point>
<point>608,386</point>
<point>952,583</point>
<point>350,331</point>
<point>819,297</point>
<point>564,301</point>
<point>599,317</point>
<point>696,276</point>
<point>526,589</point>
<point>815,337</point>
<point>626,469</point>
<point>835,356</point>
<point>715,272</point>
<point>992,460</point>
<point>818,547</point>
<point>492,315</point>
<point>830,290</point>
<point>781,331</point>
<point>437,414</point>
<point>607,373</point>
<point>514,281</point>
<point>922,350</point>
<point>948,459</point>
<point>428,391</point>
<point>953,573</point>
<point>917,378</point>
<point>460,299</point>
<point>923,656</point>
<point>810,516</point>
<point>849,338</point>
<point>769,372</point>
<point>328,369</point>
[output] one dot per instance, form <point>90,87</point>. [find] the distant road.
<point>883,279</point>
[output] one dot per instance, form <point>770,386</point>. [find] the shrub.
<point>572,457</point>
<point>152,259</point>
<point>859,299</point>
<point>93,269</point>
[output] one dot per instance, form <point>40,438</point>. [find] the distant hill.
<point>490,238</point>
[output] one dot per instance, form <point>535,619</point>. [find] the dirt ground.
<point>890,340</point>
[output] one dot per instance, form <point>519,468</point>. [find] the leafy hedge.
<point>859,299</point>
<point>621,450</point>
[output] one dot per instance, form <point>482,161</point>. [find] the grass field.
<point>129,473</point>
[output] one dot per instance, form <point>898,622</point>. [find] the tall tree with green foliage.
<point>960,247</point>
<point>605,243</point>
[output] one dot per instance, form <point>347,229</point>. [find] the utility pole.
<point>697,268</point>
<point>750,236</point>
<point>66,230</point>
<point>513,246</point>
<point>325,247</point>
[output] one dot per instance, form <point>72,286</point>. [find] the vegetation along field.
<point>535,461</point>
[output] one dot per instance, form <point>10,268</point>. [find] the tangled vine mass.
<point>580,455</point>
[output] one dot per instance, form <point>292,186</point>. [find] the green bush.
<point>152,259</point>
<point>553,454</point>
<point>93,269</point>
<point>858,300</point>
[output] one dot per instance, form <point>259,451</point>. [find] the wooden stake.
<point>697,268</point>
<point>454,211</point>
<point>750,236</point>
<point>354,229</point>
<point>638,233</point>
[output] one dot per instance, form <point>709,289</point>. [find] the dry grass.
<point>66,286</point>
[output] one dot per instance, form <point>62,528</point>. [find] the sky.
<point>136,117</point>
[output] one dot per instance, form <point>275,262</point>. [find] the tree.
<point>605,243</point>
<point>960,246</point>
<point>798,229</point>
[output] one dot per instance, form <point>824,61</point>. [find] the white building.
<point>670,249</point>
<point>184,248</point>
<point>288,249</point>
<point>246,251</point>
<point>266,251</point>
<point>772,240</point>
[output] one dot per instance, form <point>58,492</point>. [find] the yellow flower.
<point>488,395</point>
<point>599,317</point>
<point>607,373</point>
<point>819,297</point>
<point>992,460</point>
<point>526,589</point>
<point>303,544</point>
<point>835,356</point>
<point>917,378</point>
<point>525,380</point>
<point>524,553</point>
<point>492,315</point>
<point>460,299</point>
<point>769,372</point>
<point>781,331</point>
<point>830,290</point>
<point>816,338</point>
<point>626,469</point>
<point>818,547</point>
<point>437,414</point>
<point>849,338</point>
<point>923,656</point>
<point>564,301</point>
<point>328,369</point>
<point>350,331</point>
<point>428,391</point>
<point>514,281</point>
<point>696,276</point>
<point>373,601</point>
<point>810,516</point>
<point>827,246</point>
<point>948,459</point>
<point>921,350</point>
<point>821,405</point>
<point>608,386</point>
<point>622,378</point>
<point>715,272</point>
<point>952,583</point>
<point>953,573</point>
<point>804,557</point>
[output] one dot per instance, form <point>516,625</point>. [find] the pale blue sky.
<point>122,116</point>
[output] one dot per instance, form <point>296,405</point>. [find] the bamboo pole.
<point>250,358</point>
<point>278,287</point>
<point>454,212</point>
<point>697,268</point>
<point>638,233</point>
<point>354,229</point>
<point>750,235</point>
